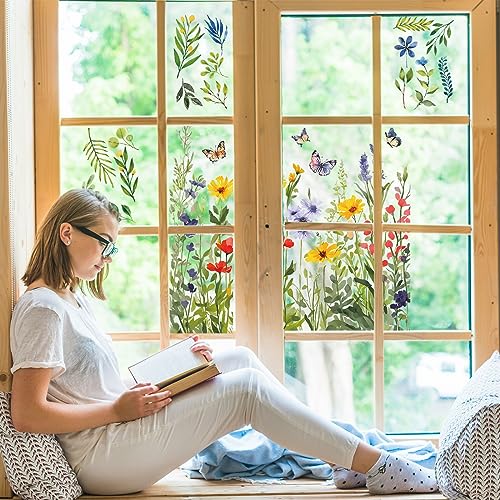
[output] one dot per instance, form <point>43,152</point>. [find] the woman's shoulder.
<point>37,299</point>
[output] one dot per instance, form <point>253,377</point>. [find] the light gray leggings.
<point>134,455</point>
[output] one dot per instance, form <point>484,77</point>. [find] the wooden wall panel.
<point>485,195</point>
<point>17,206</point>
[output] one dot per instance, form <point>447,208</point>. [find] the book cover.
<point>191,380</point>
<point>175,364</point>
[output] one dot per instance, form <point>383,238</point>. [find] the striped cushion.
<point>34,463</point>
<point>468,462</point>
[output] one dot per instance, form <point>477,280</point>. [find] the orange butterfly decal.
<point>217,154</point>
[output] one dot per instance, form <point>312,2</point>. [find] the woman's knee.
<point>245,353</point>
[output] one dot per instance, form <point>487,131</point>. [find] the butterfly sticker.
<point>217,154</point>
<point>301,138</point>
<point>392,138</point>
<point>321,167</point>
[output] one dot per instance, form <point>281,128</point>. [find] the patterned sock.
<point>393,474</point>
<point>346,479</point>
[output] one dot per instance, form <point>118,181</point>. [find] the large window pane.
<point>333,378</point>
<point>426,170</point>
<point>327,282</point>
<point>122,162</point>
<point>425,64</point>
<point>107,54</point>
<point>201,175</point>
<point>201,283</point>
<point>426,281</point>
<point>132,287</point>
<point>327,173</point>
<point>327,65</point>
<point>422,379</point>
<point>199,58</point>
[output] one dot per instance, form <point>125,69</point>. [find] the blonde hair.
<point>50,259</point>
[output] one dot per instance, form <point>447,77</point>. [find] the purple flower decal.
<point>198,184</point>
<point>401,299</point>
<point>184,304</point>
<point>190,192</point>
<point>187,221</point>
<point>364,168</point>
<point>192,273</point>
<point>190,288</point>
<point>190,247</point>
<point>309,208</point>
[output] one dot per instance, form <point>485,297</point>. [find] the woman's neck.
<point>64,293</point>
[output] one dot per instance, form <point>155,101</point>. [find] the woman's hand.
<point>203,347</point>
<point>140,401</point>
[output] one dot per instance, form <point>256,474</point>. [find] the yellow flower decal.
<point>191,18</point>
<point>324,251</point>
<point>350,207</point>
<point>297,168</point>
<point>221,187</point>
<point>292,176</point>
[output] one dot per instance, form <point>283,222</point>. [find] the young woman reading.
<point>121,440</point>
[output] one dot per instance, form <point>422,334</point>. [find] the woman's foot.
<point>346,479</point>
<point>392,474</point>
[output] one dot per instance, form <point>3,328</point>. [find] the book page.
<point>168,363</point>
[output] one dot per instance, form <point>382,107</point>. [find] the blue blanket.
<point>249,455</point>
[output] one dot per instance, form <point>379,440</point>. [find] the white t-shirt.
<point>49,332</point>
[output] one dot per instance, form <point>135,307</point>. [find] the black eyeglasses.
<point>109,247</point>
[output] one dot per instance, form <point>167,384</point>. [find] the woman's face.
<point>85,252</point>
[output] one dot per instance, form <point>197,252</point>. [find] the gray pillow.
<point>468,461</point>
<point>34,463</point>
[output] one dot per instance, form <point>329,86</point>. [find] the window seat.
<point>176,486</point>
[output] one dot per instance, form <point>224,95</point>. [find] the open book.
<point>175,368</point>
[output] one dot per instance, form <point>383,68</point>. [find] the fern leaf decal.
<point>444,72</point>
<point>217,31</point>
<point>97,154</point>
<point>413,24</point>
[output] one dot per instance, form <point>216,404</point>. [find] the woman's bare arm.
<point>31,412</point>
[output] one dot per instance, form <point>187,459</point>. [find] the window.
<point>372,202</point>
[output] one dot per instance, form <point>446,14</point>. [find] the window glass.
<point>327,66</point>
<point>422,380</point>
<point>199,59</point>
<point>107,54</point>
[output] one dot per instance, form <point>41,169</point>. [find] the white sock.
<point>393,474</point>
<point>346,479</point>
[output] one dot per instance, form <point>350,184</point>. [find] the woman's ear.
<point>65,233</point>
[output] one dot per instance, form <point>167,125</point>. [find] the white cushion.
<point>35,464</point>
<point>468,462</point>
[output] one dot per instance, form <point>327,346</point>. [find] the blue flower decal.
<point>405,46</point>
<point>422,61</point>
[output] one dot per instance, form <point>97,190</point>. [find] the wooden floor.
<point>176,486</point>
